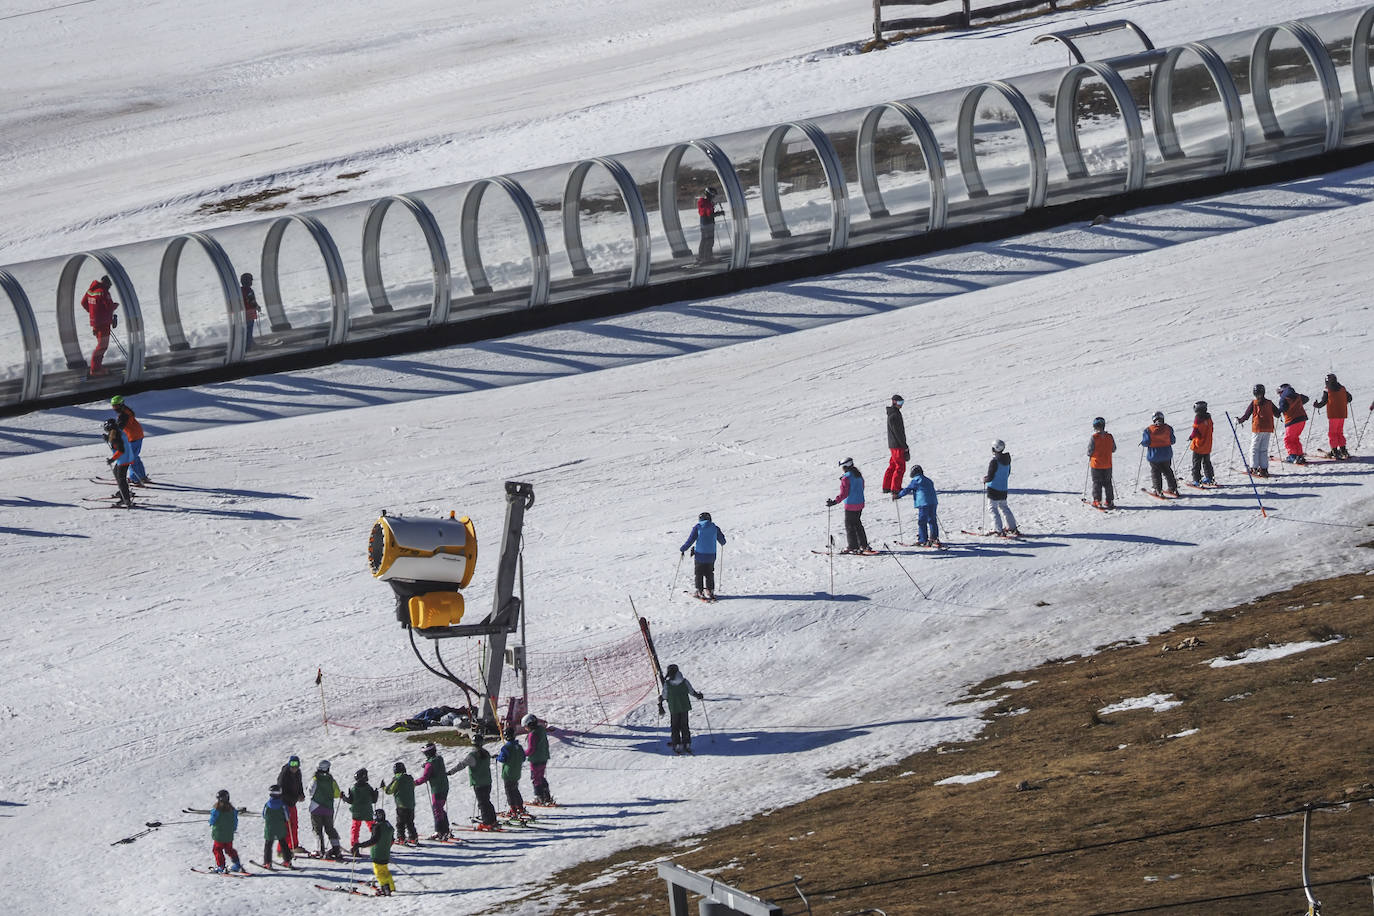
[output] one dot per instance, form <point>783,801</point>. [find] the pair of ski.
<point>221,874</point>
<point>356,888</point>
<point>1161,496</point>
<point>850,553</point>
<point>702,598</point>
<point>993,534</point>
<point>920,546</point>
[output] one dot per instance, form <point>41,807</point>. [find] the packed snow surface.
<point>161,654</point>
<point>1269,653</point>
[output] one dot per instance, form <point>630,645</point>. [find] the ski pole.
<point>720,565</point>
<point>1359,439</point>
<point>120,345</point>
<point>673,588</point>
<point>707,716</point>
<point>830,546</point>
<point>1310,424</point>
<point>896,501</point>
<point>1140,465</point>
<point>1087,478</point>
<point>1253,486</point>
<point>983,511</point>
<point>903,568</point>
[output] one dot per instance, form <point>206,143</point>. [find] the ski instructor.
<point>897,445</point>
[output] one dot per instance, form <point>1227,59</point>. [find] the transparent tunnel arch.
<point>1162,103</point>
<point>834,179</point>
<point>734,196</point>
<point>930,151</point>
<point>229,287</point>
<point>534,232</point>
<point>1037,167</point>
<point>377,296</point>
<point>1360,60</point>
<point>130,315</point>
<point>31,382</point>
<point>333,265</point>
<point>1066,121</point>
<point>634,206</point>
<point>1263,99</point>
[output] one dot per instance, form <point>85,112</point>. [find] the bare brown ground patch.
<point>1271,737</point>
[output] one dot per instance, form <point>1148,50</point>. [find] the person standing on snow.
<point>923,497</point>
<point>1337,401</point>
<point>224,821</point>
<point>1158,441</point>
<point>121,459</point>
<point>402,786</point>
<point>852,495</point>
<point>383,836</point>
<point>1200,444</point>
<point>512,760</point>
<point>274,828</point>
<point>323,791</point>
<point>896,444</point>
<point>362,800</point>
<point>1294,421</point>
<point>101,309</point>
<point>677,692</point>
<point>250,307</point>
<point>292,794</point>
<point>478,765</point>
<point>1100,449</point>
<point>707,211</point>
<point>436,777</point>
<point>705,535</point>
<point>537,752</point>
<point>999,473</point>
<point>133,432</point>
<point>1260,413</point>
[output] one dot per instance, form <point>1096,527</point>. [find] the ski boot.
<point>335,853</point>
<point>236,868</point>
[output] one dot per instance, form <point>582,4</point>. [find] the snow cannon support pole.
<point>1253,486</point>
<point>507,609</point>
<point>903,568</point>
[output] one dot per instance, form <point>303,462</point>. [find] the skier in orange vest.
<point>1336,400</point>
<point>1261,414</point>
<point>1100,448</point>
<point>1200,444</point>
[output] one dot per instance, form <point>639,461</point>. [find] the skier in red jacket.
<point>707,211</point>
<point>101,309</point>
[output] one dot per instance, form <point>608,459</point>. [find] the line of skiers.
<point>280,819</point>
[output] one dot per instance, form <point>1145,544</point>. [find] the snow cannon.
<point>427,562</point>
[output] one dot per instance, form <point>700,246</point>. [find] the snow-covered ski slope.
<point>157,656</point>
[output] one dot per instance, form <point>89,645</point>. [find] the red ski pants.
<point>896,467</point>
<point>102,343</point>
<point>221,849</point>
<point>1292,437</point>
<point>293,838</point>
<point>1335,431</point>
<point>353,834</point>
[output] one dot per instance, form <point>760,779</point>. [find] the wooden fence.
<point>957,13</point>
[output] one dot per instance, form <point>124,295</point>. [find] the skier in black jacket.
<point>292,793</point>
<point>896,443</point>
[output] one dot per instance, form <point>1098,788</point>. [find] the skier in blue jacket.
<point>852,495</point>
<point>1158,441</point>
<point>922,490</point>
<point>995,481</point>
<point>705,535</point>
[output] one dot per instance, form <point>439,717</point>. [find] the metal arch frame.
<point>1066,121</point>
<point>229,286</point>
<point>1162,104</point>
<point>128,300</point>
<point>930,150</point>
<point>1030,127</point>
<point>734,196</point>
<point>438,256</point>
<point>1317,54</point>
<point>1360,61</point>
<point>534,231</point>
<point>1066,37</point>
<point>834,178</point>
<point>634,205</point>
<point>32,382</point>
<point>333,265</point>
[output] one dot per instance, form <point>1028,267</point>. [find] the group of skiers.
<point>280,819</point>
<point>124,435</point>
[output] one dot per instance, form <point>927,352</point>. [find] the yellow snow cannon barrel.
<point>439,551</point>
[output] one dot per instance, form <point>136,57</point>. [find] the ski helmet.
<point>222,795</point>
<point>898,400</point>
<point>274,790</point>
<point>293,761</point>
<point>478,739</point>
<point>429,750</point>
<point>510,733</point>
<point>529,720</point>
<point>704,517</point>
<point>109,426</point>
<point>1158,416</point>
<point>1200,407</point>
<point>847,463</point>
<point>1331,379</point>
<point>916,470</point>
<point>323,767</point>
<point>361,775</point>
<point>398,767</point>
<point>1099,423</point>
<point>117,400</point>
<point>246,279</point>
<point>672,670</point>
<point>998,446</point>
<point>379,814</point>
<point>1259,391</point>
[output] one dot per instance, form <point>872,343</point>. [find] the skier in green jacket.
<point>362,799</point>
<point>677,691</point>
<point>380,842</point>
<point>402,786</point>
<point>537,753</point>
<point>512,758</point>
<point>436,777</point>
<point>275,827</point>
<point>323,791</point>
<point>478,765</point>
<point>224,820</point>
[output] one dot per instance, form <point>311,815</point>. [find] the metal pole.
<point>1236,436</point>
<point>1314,906</point>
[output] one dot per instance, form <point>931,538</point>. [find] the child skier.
<point>383,835</point>
<point>402,786</point>
<point>478,765</point>
<point>1158,441</point>
<point>999,472</point>
<point>705,535</point>
<point>1294,421</point>
<point>1260,413</point>
<point>292,793</point>
<point>133,433</point>
<point>512,759</point>
<point>362,800</point>
<point>923,497</point>
<point>323,791</point>
<point>1200,444</point>
<point>677,691</point>
<point>1100,449</point>
<point>1336,400</point>
<point>537,752</point>
<point>250,307</point>
<point>224,820</point>
<point>434,776</point>
<point>852,495</point>
<point>121,458</point>
<point>274,827</point>
<point>896,445</point>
